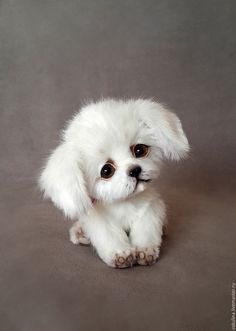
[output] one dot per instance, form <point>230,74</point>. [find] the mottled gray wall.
<point>56,54</point>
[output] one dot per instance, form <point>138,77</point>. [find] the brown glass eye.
<point>107,170</point>
<point>140,150</point>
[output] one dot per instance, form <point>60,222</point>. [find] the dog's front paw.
<point>123,259</point>
<point>147,255</point>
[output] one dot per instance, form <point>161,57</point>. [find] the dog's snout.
<point>135,171</point>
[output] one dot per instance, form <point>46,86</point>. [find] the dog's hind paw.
<point>77,236</point>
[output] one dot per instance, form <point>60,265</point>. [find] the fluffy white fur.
<point>122,216</point>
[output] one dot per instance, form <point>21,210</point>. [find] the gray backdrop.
<point>54,55</point>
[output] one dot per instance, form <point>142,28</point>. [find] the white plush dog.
<point>102,176</point>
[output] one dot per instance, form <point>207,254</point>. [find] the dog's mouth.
<point>143,180</point>
<point>140,180</point>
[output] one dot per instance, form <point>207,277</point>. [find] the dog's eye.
<point>140,150</point>
<point>107,170</point>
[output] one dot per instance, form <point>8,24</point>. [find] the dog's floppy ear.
<point>62,181</point>
<point>165,129</point>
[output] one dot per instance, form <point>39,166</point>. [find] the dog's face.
<point>127,171</point>
<point>119,155</point>
<point>110,151</point>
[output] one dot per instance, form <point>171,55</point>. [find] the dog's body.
<point>131,229</point>
<point>103,174</point>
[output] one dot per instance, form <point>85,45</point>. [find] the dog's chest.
<point>125,213</point>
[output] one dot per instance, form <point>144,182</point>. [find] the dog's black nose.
<point>135,171</point>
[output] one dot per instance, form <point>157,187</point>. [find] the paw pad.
<point>123,262</point>
<point>147,256</point>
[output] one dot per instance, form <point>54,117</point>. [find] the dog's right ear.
<point>63,182</point>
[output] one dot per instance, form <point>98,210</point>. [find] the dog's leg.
<point>111,243</point>
<point>146,235</point>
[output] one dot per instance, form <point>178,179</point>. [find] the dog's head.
<point>110,151</point>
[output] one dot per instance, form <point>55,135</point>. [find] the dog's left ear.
<point>165,130</point>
